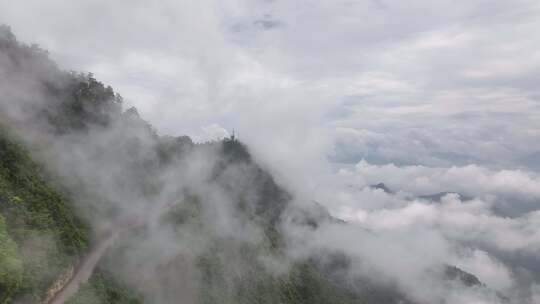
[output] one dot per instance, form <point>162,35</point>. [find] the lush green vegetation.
<point>304,283</point>
<point>232,271</point>
<point>103,288</point>
<point>11,266</point>
<point>39,232</point>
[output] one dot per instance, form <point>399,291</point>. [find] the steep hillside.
<point>78,112</point>
<point>197,222</point>
<point>40,232</point>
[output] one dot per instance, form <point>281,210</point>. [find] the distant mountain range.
<point>434,197</point>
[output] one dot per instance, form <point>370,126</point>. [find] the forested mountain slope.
<point>41,235</point>
<point>205,219</point>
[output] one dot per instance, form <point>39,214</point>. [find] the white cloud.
<point>487,269</point>
<point>472,179</point>
<point>446,91</point>
<point>211,132</point>
<point>433,77</point>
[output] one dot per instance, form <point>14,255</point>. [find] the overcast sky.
<point>333,96</point>
<point>437,83</point>
<point>313,86</point>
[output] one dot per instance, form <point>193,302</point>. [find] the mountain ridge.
<point>108,164</point>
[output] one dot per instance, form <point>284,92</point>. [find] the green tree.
<point>11,267</point>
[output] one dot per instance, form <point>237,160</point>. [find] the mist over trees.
<point>207,223</point>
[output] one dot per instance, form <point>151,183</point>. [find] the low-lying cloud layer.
<point>484,221</point>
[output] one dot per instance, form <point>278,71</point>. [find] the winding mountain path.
<point>90,261</point>
<point>86,268</point>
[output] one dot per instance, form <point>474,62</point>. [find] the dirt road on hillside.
<point>90,261</point>
<point>85,270</point>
